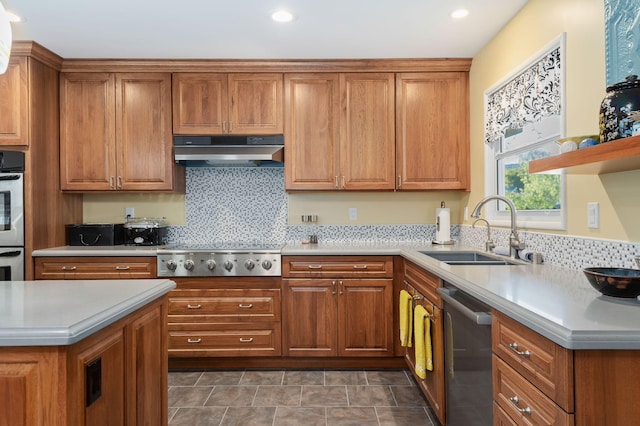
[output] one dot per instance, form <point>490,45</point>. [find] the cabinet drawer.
<point>337,266</point>
<point>423,281</point>
<point>89,268</point>
<point>522,401</point>
<point>545,364</point>
<point>227,305</point>
<point>235,340</point>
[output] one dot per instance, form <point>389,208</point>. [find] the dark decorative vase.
<point>620,109</point>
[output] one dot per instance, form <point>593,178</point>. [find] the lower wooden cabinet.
<point>94,268</point>
<point>225,317</point>
<point>349,314</point>
<point>116,376</point>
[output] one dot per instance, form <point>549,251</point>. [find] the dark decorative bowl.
<point>617,282</point>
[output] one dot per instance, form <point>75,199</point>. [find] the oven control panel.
<point>215,264</point>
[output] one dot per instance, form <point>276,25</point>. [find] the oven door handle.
<point>10,177</point>
<point>12,253</point>
<point>480,318</point>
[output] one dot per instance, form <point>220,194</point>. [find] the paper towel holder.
<point>447,242</point>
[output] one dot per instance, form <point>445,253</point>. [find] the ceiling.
<point>243,29</point>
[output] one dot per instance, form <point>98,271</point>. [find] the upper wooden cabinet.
<point>432,131</point>
<point>339,131</point>
<point>242,104</point>
<point>116,133</point>
<point>14,104</point>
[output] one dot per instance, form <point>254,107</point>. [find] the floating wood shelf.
<point>611,157</point>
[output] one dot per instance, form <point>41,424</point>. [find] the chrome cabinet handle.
<point>337,186</point>
<point>515,400</point>
<point>333,288</point>
<point>123,268</point>
<point>111,182</point>
<point>230,126</point>
<point>341,292</point>
<point>360,266</point>
<point>514,347</point>
<point>69,268</point>
<point>194,306</point>
<point>194,340</point>
<point>119,182</point>
<point>249,306</point>
<point>399,182</point>
<point>249,340</point>
<point>314,266</point>
<point>224,126</point>
<point>343,182</point>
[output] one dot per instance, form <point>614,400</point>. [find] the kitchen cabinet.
<point>14,104</point>
<point>339,131</point>
<point>94,268</point>
<point>422,286</point>
<point>214,104</point>
<point>610,157</point>
<point>116,133</point>
<point>47,385</point>
<point>225,317</point>
<point>337,306</point>
<point>432,131</point>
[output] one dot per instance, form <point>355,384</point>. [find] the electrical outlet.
<point>466,213</point>
<point>129,212</point>
<point>353,213</point>
<point>593,215</point>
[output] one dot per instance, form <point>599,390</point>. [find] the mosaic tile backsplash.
<point>243,204</point>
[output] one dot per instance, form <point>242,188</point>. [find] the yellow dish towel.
<point>422,333</point>
<point>406,316</point>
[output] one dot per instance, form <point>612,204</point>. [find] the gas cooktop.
<point>220,259</point>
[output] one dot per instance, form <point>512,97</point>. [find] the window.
<point>523,119</point>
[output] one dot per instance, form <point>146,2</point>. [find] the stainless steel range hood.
<point>228,150</point>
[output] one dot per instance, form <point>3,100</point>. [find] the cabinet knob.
<point>194,340</point>
<point>189,306</point>
<point>515,400</point>
<point>69,268</point>
<point>249,306</point>
<point>514,347</point>
<point>249,340</point>
<point>123,268</point>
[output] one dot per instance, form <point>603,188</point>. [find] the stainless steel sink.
<point>470,258</point>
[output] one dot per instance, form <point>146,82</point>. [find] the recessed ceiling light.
<point>282,16</point>
<point>459,13</point>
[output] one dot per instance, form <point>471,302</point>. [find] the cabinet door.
<point>256,104</point>
<point>199,104</point>
<point>309,310</point>
<point>143,132</point>
<point>367,131</point>
<point>312,131</point>
<point>432,133</point>
<point>87,131</point>
<point>365,318</point>
<point>14,104</point>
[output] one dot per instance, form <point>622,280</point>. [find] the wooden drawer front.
<point>545,364</point>
<point>225,305</point>
<point>95,268</point>
<point>423,281</point>
<point>500,418</point>
<point>337,266</point>
<point>522,401</point>
<point>232,341</point>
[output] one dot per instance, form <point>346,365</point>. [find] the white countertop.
<point>558,303</point>
<point>78,251</point>
<point>58,312</point>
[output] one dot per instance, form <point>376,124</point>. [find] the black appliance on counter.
<point>145,231</point>
<point>95,234</point>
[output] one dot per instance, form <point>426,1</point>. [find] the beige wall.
<point>110,208</point>
<point>537,24</point>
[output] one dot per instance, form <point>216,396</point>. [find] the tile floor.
<point>296,397</point>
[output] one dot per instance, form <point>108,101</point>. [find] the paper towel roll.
<point>443,225</point>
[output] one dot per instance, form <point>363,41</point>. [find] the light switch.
<point>593,215</point>
<point>353,213</point>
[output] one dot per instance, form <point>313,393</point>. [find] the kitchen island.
<point>83,352</point>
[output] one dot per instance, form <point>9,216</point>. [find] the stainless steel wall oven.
<point>11,216</point>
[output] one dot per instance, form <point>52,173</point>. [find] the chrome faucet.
<point>514,240</point>
<point>489,245</point>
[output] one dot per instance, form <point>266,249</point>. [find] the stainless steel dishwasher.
<point>467,362</point>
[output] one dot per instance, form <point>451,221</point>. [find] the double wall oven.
<point>11,216</point>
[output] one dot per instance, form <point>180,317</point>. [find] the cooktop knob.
<point>266,264</point>
<point>228,265</point>
<point>211,264</point>
<point>188,265</point>
<point>171,265</point>
<point>249,264</point>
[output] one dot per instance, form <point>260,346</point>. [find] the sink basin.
<point>470,258</point>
